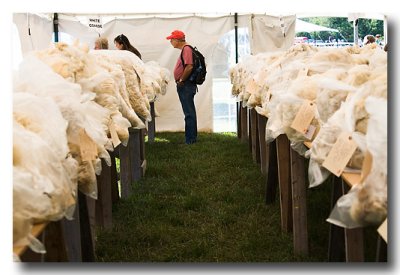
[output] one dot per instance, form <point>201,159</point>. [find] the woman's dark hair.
<point>126,45</point>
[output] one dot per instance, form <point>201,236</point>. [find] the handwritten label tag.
<point>340,154</point>
<point>382,230</point>
<point>87,146</point>
<point>114,136</point>
<point>304,117</point>
<point>310,132</point>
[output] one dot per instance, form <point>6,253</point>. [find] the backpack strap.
<point>183,62</point>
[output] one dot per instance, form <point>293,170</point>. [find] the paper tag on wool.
<point>382,230</point>
<point>340,154</point>
<point>87,146</point>
<point>304,117</point>
<point>310,132</point>
<point>114,136</point>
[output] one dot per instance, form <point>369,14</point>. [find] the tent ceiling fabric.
<point>271,33</point>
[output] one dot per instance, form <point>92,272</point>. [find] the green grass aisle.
<point>205,203</point>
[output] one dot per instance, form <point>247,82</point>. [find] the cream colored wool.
<point>125,107</point>
<point>133,69</point>
<point>155,79</point>
<point>44,184</point>
<point>89,75</point>
<point>370,205</point>
<point>77,108</point>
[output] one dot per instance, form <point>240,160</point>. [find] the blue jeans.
<point>186,94</point>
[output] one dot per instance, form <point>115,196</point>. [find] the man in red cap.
<point>186,89</point>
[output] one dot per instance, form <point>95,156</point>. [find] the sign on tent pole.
<point>95,22</point>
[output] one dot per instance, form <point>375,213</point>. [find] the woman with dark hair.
<point>122,43</point>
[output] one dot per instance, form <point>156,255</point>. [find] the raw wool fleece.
<point>76,65</point>
<point>106,62</point>
<point>77,108</point>
<point>133,69</point>
<point>44,173</point>
<point>366,202</point>
<point>155,80</point>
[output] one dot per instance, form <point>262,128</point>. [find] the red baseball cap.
<point>176,34</point>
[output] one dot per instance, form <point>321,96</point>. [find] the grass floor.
<point>205,203</point>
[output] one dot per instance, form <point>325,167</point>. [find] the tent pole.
<point>236,39</point>
<point>55,27</point>
<point>385,30</point>
<point>355,27</point>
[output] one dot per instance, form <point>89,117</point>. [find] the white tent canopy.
<point>303,26</point>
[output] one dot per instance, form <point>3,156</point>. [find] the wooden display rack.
<point>283,166</point>
<point>74,240</point>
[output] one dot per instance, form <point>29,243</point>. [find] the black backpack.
<point>199,72</point>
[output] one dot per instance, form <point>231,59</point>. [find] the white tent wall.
<point>148,35</point>
<point>271,33</point>
<point>77,30</point>
<point>35,32</point>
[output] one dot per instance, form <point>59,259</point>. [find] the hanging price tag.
<point>340,154</point>
<point>114,135</point>
<point>88,147</point>
<point>304,117</point>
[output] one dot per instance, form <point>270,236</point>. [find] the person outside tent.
<point>185,88</point>
<point>369,39</point>
<point>122,43</point>
<point>101,43</point>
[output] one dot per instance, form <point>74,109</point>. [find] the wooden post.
<point>114,178</point>
<point>85,229</point>
<point>381,250</point>
<point>135,153</point>
<point>299,203</point>
<point>255,141</point>
<point>354,239</point>
<point>142,153</point>
<point>261,123</point>
<point>243,123</point>
<point>55,243</point>
<point>283,156</point>
<point>104,197</point>
<point>239,119</point>
<point>125,169</point>
<point>354,243</point>
<point>336,250</point>
<point>272,173</point>
<point>72,236</point>
<point>152,124</point>
<point>91,208</point>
